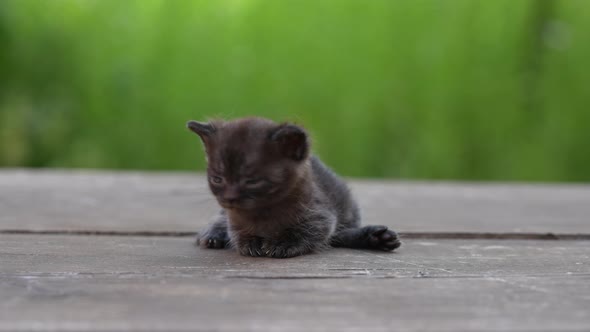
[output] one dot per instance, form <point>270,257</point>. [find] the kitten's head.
<point>252,162</point>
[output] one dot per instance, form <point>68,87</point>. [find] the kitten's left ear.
<point>203,129</point>
<point>293,141</point>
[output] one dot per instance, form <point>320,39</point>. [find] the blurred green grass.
<point>424,89</point>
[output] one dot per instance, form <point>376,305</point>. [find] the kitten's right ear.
<point>203,129</point>
<point>292,140</point>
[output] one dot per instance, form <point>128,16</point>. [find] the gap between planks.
<point>403,235</point>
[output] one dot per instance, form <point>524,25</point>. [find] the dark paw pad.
<point>383,239</point>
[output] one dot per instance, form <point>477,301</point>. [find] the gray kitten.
<point>276,199</point>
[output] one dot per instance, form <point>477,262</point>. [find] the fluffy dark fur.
<point>276,199</point>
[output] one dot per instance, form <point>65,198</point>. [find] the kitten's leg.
<point>368,237</point>
<point>215,235</point>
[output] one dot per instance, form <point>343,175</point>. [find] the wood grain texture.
<point>165,284</point>
<point>128,283</point>
<point>180,202</point>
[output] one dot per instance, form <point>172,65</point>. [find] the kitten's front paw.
<point>284,250</point>
<point>251,247</point>
<point>213,240</point>
<point>382,238</point>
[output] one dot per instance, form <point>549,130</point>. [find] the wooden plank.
<point>165,284</point>
<point>179,202</point>
<point>510,304</point>
<point>171,256</point>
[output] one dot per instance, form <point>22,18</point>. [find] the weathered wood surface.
<point>54,282</point>
<point>89,282</point>
<point>130,201</point>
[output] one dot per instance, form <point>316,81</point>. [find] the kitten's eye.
<point>216,179</point>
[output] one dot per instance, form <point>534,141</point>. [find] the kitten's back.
<point>338,193</point>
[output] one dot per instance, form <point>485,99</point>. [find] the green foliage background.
<point>430,89</point>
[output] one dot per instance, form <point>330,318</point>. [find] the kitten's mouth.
<point>228,205</point>
<point>240,205</point>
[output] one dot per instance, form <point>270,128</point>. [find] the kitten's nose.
<point>231,195</point>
